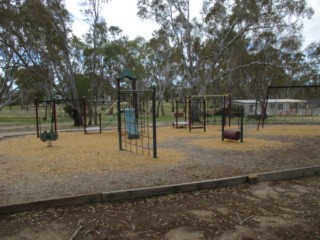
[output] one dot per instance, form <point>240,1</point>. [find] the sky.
<point>122,13</point>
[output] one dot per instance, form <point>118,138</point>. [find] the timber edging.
<point>161,190</point>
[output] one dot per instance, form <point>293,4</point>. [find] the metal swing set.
<point>52,134</point>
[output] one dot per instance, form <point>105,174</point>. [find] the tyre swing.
<point>230,133</point>
<point>52,134</point>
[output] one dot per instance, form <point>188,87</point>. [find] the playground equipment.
<point>200,110</point>
<point>49,136</point>
<point>87,129</point>
<point>232,134</point>
<point>97,129</point>
<point>52,134</point>
<point>136,117</point>
<point>131,125</point>
<point>263,114</point>
<point>197,113</point>
<point>178,115</point>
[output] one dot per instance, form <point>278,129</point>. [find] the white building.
<point>279,107</point>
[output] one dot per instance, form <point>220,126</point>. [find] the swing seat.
<point>232,134</point>
<point>179,124</point>
<point>93,129</point>
<point>49,136</point>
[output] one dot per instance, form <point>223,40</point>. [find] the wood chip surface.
<point>77,163</point>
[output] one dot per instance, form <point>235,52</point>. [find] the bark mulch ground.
<point>78,164</point>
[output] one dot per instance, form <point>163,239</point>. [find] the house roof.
<point>252,101</point>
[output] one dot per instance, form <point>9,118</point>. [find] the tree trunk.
<point>158,109</point>
<point>46,113</point>
<point>162,109</point>
<point>172,104</point>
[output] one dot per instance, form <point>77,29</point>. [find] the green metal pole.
<point>37,116</point>
<point>84,114</point>
<point>229,109</point>
<point>241,125</point>
<point>119,115</point>
<point>177,112</point>
<point>204,115</point>
<point>154,122</point>
<point>100,126</point>
<point>190,114</point>
<point>54,114</point>
<point>222,124</point>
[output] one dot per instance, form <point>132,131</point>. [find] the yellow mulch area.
<point>255,141</point>
<point>249,144</point>
<point>288,130</point>
<point>75,153</point>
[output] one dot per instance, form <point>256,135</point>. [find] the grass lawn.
<point>17,117</point>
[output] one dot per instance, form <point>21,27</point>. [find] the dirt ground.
<point>269,210</point>
<point>79,164</point>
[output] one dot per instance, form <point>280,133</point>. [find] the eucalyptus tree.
<point>32,85</point>
<point>174,17</point>
<point>20,37</point>
<point>312,53</point>
<point>122,53</point>
<point>95,38</point>
<point>8,88</point>
<point>266,26</point>
<point>224,26</point>
<point>114,60</point>
<point>161,65</point>
<point>77,48</point>
<point>135,59</point>
<point>61,61</point>
<point>37,31</point>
